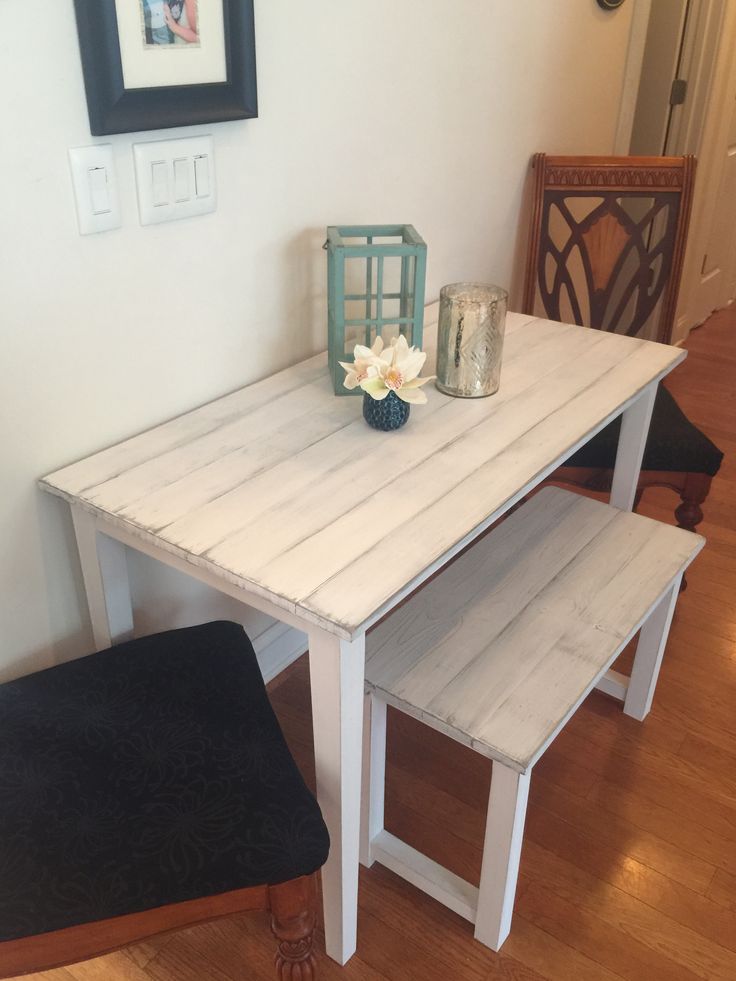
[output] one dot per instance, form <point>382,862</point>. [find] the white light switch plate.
<point>95,188</point>
<point>175,178</point>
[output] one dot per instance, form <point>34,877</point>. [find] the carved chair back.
<point>607,241</point>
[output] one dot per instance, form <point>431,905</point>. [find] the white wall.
<point>424,111</point>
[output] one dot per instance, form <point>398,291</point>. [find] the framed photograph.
<point>153,64</point>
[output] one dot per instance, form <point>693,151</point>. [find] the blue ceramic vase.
<point>390,413</point>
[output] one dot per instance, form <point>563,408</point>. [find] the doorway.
<point>684,104</point>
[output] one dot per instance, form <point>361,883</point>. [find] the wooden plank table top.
<point>282,489</point>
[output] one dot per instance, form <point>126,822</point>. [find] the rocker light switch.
<point>95,188</point>
<point>202,175</point>
<point>171,180</point>
<point>160,183</point>
<point>99,198</point>
<point>181,179</point>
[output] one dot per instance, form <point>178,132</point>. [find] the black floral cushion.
<point>674,443</point>
<point>150,773</point>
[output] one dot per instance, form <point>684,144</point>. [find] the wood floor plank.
<point>673,827</point>
<point>567,818</point>
<point>656,777</point>
<point>602,942</point>
<point>722,889</point>
<point>396,900</point>
<point>638,920</point>
<point>554,959</point>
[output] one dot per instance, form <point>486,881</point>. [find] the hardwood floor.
<point>629,861</point>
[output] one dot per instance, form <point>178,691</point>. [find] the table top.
<point>282,489</point>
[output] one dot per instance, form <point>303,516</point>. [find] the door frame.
<point>715,128</point>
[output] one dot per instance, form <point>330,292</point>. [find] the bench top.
<point>500,648</point>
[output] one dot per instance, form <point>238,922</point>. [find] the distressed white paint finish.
<point>280,495</point>
<point>649,654</point>
<point>426,874</point>
<point>336,670</point>
<point>613,683</point>
<point>105,575</point>
<point>501,854</point>
<point>500,649</point>
<point>632,442</point>
<point>374,776</point>
<point>282,490</point>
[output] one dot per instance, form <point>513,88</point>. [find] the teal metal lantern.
<point>375,287</point>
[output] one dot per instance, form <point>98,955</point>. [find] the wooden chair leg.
<point>293,918</point>
<point>689,513</point>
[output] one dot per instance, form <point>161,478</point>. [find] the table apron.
<point>94,532</point>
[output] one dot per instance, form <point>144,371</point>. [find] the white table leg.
<point>374,775</point>
<point>337,669</point>
<point>649,653</point>
<point>631,443</point>
<point>501,854</point>
<point>105,574</point>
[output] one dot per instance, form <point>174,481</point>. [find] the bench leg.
<point>374,776</point>
<point>501,854</point>
<point>649,652</point>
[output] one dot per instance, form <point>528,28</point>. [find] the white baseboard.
<point>278,647</point>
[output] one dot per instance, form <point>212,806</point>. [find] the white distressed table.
<point>280,495</point>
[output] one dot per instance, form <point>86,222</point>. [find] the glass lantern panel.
<point>387,239</point>
<point>353,336</point>
<point>359,305</point>
<point>389,331</point>
<point>408,275</point>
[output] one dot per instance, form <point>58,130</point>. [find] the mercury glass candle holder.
<point>470,339</point>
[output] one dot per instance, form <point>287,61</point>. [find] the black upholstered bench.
<point>145,788</point>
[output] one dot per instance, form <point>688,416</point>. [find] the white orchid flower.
<point>363,365</point>
<point>397,370</point>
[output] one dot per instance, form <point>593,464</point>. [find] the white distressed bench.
<point>500,649</point>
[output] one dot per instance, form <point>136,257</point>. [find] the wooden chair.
<point>606,247</point>
<point>148,788</point>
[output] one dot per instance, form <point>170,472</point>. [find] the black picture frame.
<point>114,109</point>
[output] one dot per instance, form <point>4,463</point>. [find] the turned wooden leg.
<point>689,513</point>
<point>293,918</point>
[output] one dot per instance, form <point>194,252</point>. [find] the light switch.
<point>160,183</point>
<point>97,177</point>
<point>181,179</point>
<point>202,175</point>
<point>95,188</point>
<point>190,187</point>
